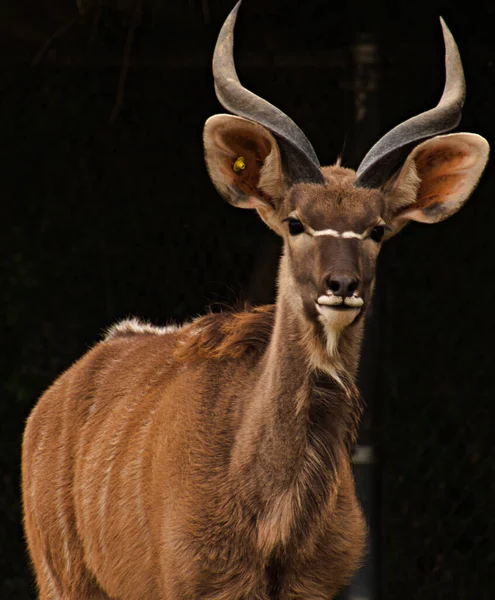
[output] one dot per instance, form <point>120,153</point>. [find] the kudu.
<point>212,460</point>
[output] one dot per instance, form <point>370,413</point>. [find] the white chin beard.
<point>334,321</point>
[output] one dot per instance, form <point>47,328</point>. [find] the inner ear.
<point>243,161</point>
<point>437,178</point>
<point>245,156</point>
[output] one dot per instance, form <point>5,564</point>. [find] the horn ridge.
<point>300,161</point>
<point>386,155</point>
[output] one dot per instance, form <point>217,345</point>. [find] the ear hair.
<point>403,188</point>
<point>437,179</point>
<point>259,183</point>
<point>271,175</point>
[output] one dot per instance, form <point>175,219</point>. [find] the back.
<point>136,424</point>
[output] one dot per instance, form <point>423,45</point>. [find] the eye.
<point>376,234</point>
<point>295,226</point>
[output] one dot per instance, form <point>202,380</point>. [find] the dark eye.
<point>295,226</point>
<point>377,232</point>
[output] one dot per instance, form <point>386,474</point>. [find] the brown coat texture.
<point>212,461</point>
<point>156,468</point>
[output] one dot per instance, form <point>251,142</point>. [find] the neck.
<point>298,426</point>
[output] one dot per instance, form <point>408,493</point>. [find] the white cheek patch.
<point>334,233</point>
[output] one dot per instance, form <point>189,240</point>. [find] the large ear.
<point>243,161</point>
<point>436,179</point>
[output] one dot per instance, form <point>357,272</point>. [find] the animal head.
<point>334,220</point>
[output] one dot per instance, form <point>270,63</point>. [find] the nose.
<point>342,285</point>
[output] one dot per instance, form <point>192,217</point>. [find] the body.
<point>213,461</point>
<point>149,472</point>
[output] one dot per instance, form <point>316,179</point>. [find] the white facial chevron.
<point>333,233</point>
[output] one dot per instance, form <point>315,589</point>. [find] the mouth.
<point>336,313</point>
<point>337,303</point>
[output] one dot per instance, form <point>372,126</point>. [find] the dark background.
<point>107,211</point>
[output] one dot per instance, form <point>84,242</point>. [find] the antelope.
<point>212,460</point>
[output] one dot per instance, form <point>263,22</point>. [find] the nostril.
<point>352,287</point>
<point>334,285</point>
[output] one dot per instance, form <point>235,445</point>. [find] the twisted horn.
<point>386,156</point>
<point>298,156</point>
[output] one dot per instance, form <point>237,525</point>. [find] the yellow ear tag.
<point>240,164</point>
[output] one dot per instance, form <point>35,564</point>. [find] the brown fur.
<point>228,335</point>
<point>212,461</point>
<point>148,489</point>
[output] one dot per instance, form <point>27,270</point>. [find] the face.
<point>332,236</point>
<point>333,229</point>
